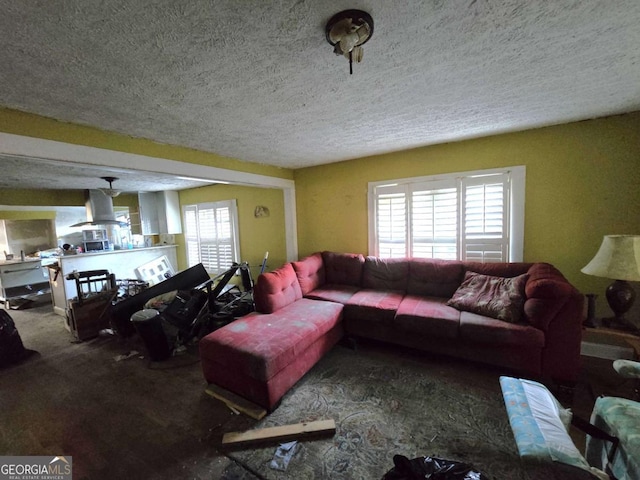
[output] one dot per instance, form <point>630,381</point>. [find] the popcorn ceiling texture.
<point>257,81</point>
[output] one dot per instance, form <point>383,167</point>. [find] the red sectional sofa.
<point>305,307</point>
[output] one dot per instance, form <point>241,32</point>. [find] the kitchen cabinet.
<point>148,213</point>
<point>20,279</point>
<point>159,212</point>
<point>122,263</point>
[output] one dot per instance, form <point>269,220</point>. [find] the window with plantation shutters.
<point>485,218</point>
<point>434,226</point>
<point>474,216</point>
<point>211,235</point>
<point>391,216</point>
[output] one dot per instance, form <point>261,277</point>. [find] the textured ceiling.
<point>256,80</point>
<point>37,173</point>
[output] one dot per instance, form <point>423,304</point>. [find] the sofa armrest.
<point>547,293</point>
<point>555,306</point>
<point>546,281</point>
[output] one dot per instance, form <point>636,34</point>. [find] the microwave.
<point>90,235</point>
<point>96,246</point>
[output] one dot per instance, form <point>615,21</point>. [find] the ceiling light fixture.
<point>110,192</point>
<point>347,31</point>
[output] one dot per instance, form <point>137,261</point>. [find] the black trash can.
<point>11,348</point>
<point>148,324</point>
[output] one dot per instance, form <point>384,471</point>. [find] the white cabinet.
<point>148,213</point>
<point>159,212</point>
<point>169,212</point>
<point>22,279</point>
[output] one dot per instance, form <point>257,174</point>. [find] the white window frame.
<point>515,207</point>
<point>189,236</point>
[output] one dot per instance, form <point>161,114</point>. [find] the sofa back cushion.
<point>385,273</point>
<point>498,269</point>
<point>310,273</point>
<point>276,289</point>
<point>343,268</point>
<point>434,278</point>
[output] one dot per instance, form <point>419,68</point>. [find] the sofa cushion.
<point>479,329</point>
<point>310,272</point>
<point>343,268</point>
<point>260,345</point>
<point>373,305</point>
<point>277,289</point>
<point>434,278</point>
<point>498,269</point>
<point>429,315</point>
<point>333,293</point>
<point>385,273</point>
<point>496,297</point>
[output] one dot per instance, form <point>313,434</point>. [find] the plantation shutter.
<point>485,218</point>
<point>190,214</point>
<point>211,235</point>
<point>456,217</point>
<point>434,220</point>
<point>391,221</point>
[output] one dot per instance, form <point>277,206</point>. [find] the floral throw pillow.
<point>496,297</point>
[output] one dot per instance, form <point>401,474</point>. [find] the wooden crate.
<point>88,317</point>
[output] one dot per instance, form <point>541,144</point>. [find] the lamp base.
<point>620,323</point>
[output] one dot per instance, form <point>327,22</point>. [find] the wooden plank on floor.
<point>236,402</point>
<point>298,431</point>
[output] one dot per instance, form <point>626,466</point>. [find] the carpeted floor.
<point>138,419</point>
<point>385,403</point>
<point>117,419</point>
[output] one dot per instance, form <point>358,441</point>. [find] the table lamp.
<point>618,259</point>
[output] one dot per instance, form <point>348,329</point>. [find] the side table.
<point>607,344</point>
<point>609,337</point>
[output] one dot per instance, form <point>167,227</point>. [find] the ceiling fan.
<point>110,192</point>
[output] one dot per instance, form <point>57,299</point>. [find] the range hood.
<point>99,210</point>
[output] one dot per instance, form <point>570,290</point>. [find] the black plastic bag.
<point>431,468</point>
<point>11,348</point>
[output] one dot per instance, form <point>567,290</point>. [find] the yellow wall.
<point>27,215</point>
<point>583,182</point>
<point>58,198</point>
<point>257,235</point>
<point>66,198</point>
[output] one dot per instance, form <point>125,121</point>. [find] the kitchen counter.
<point>18,261</point>
<point>21,279</point>
<point>111,252</point>
<point>122,263</point>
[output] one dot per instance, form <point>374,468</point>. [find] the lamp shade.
<point>617,259</point>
